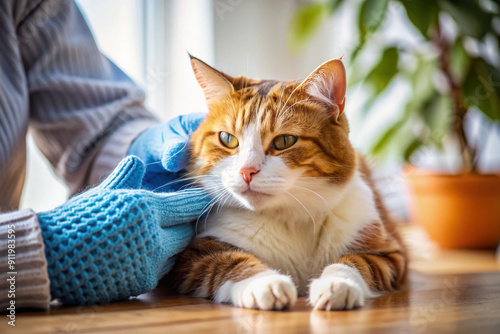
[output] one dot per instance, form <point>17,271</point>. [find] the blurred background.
<point>285,40</point>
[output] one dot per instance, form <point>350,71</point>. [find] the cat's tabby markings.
<point>295,210</point>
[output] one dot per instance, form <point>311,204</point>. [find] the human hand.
<point>116,240</point>
<point>165,150</point>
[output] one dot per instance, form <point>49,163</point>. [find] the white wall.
<point>174,28</point>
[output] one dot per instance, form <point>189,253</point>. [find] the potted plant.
<point>451,77</point>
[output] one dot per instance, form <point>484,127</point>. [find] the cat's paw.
<point>265,291</point>
<point>335,293</point>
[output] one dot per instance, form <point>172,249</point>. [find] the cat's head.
<point>265,143</point>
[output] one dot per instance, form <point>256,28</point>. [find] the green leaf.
<point>357,71</point>
<point>333,5</point>
<point>384,70</point>
<point>355,52</point>
<point>428,108</point>
<point>436,115</point>
<point>469,16</point>
<point>422,80</point>
<point>371,16</point>
<point>381,145</point>
<point>412,148</point>
<point>482,88</point>
<point>459,60</point>
<point>396,140</point>
<point>422,13</point>
<point>305,22</point>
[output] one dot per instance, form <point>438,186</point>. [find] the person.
<point>118,238</point>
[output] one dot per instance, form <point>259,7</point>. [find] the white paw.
<point>335,293</point>
<point>264,291</point>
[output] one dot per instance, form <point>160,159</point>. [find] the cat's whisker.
<point>314,220</point>
<point>228,196</point>
<point>207,206</point>
<point>281,96</point>
<point>182,149</point>
<point>216,200</point>
<point>315,193</point>
<point>189,192</point>
<point>211,193</point>
<point>257,231</point>
<point>181,179</point>
<point>181,196</point>
<point>153,163</point>
<point>282,114</point>
<point>287,206</point>
<point>296,83</point>
<point>197,182</point>
<point>222,200</point>
<point>280,102</point>
<point>234,108</point>
<point>293,91</point>
<point>217,186</point>
<point>304,100</point>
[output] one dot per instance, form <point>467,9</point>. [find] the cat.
<point>297,212</point>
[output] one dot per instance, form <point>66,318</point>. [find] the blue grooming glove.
<point>116,240</point>
<point>165,150</point>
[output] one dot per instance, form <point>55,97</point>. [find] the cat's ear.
<point>327,84</point>
<point>214,84</point>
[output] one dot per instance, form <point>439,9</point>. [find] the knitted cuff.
<point>24,279</point>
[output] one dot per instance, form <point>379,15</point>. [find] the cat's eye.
<point>284,141</point>
<point>228,140</point>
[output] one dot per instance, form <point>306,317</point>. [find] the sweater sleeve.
<point>24,280</point>
<point>82,106</point>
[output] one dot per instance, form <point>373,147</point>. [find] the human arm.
<point>84,111</point>
<point>106,244</point>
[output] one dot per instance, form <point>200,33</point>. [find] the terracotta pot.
<point>457,211</point>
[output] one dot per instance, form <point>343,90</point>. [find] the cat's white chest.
<point>297,241</point>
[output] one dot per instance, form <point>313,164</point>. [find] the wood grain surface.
<point>449,292</point>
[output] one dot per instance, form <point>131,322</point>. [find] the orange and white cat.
<point>296,210</point>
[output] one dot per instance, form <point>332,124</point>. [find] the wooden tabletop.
<point>448,292</point>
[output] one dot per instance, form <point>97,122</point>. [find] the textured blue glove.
<point>115,240</point>
<point>165,150</point>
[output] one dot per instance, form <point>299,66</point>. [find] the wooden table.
<point>448,292</point>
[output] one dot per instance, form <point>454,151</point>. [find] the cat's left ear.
<point>215,85</point>
<point>327,84</point>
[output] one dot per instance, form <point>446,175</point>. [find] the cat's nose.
<point>247,173</point>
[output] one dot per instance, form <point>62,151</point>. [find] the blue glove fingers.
<point>176,155</point>
<point>149,147</point>
<point>183,126</point>
<point>191,122</point>
<point>180,207</point>
<point>165,148</point>
<point>127,175</point>
<point>176,150</point>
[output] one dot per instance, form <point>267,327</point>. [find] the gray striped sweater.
<point>82,111</point>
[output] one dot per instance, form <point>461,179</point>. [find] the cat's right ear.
<point>327,84</point>
<point>214,84</point>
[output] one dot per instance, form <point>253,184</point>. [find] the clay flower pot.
<point>457,211</point>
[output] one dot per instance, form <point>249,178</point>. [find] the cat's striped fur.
<point>310,221</point>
